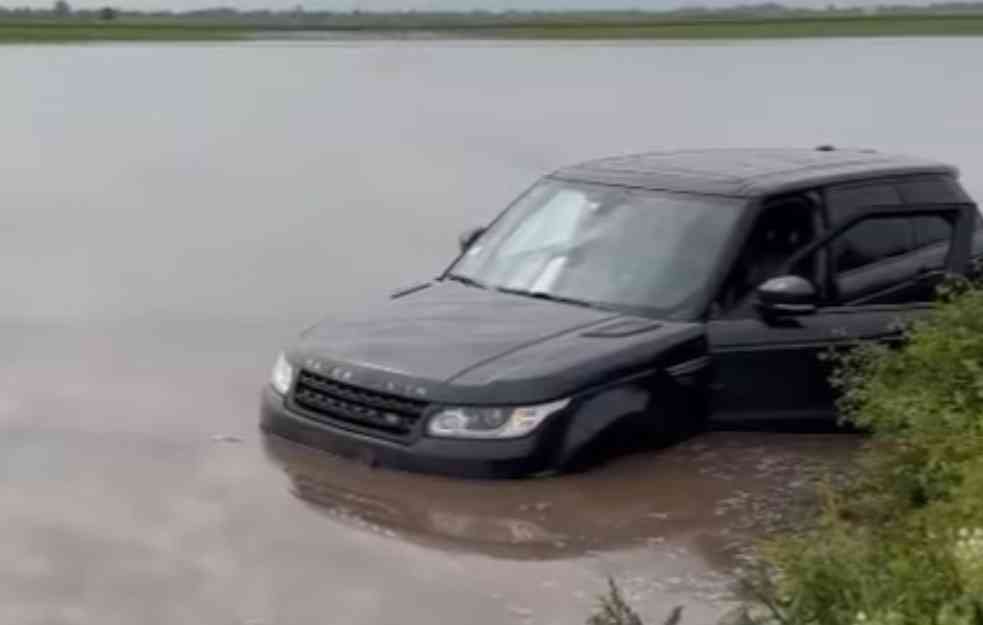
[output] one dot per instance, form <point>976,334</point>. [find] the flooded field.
<point>136,488</point>
<point>172,214</point>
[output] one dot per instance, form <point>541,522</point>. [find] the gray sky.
<point>461,5</point>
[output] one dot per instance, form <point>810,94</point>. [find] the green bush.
<point>903,543</point>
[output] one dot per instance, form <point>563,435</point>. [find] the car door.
<point>882,268</point>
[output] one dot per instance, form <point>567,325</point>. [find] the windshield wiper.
<point>553,298</point>
<point>465,280</point>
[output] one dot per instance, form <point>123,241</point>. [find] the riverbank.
<point>69,29</point>
<point>82,32</point>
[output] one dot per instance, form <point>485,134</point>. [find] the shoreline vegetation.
<point>899,541</point>
<point>62,25</point>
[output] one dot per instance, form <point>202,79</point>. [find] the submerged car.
<point>633,296</point>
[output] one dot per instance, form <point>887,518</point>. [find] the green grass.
<point>765,28</point>
<point>671,28</point>
<point>62,32</point>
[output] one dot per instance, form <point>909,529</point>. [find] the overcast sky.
<point>457,5</point>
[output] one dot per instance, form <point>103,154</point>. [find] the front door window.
<point>785,226</point>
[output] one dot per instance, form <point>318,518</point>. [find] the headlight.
<point>283,375</point>
<point>490,422</point>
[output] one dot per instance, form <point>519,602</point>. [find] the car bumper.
<point>460,458</point>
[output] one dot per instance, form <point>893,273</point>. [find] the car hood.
<point>452,342</point>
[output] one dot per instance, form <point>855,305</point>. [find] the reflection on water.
<point>193,189</point>
<point>723,488</point>
<point>126,463</point>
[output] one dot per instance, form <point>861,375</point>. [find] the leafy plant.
<point>903,543</point>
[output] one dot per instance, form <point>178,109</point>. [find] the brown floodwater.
<point>136,488</point>
<point>172,215</point>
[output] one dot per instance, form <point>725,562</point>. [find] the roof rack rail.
<point>827,147</point>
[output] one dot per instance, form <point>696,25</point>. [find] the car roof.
<point>747,172</point>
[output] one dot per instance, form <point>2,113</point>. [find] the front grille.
<point>347,405</point>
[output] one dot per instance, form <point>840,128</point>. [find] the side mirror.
<point>786,296</point>
<point>468,237</point>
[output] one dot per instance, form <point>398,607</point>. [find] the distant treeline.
<point>411,19</point>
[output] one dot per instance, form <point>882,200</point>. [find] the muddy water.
<point>135,488</point>
<point>172,214</point>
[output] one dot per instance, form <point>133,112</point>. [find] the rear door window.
<point>933,236</point>
<point>929,230</point>
<point>872,241</point>
<point>892,260</point>
<point>868,241</point>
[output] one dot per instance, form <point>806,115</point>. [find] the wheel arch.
<point>651,403</point>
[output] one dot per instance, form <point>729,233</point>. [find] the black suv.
<point>635,294</point>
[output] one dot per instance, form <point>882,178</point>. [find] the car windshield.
<point>646,251</point>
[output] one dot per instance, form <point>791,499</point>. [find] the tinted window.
<point>931,229</point>
<point>933,238</point>
<point>892,260</point>
<point>871,241</point>
<point>845,202</point>
<point>931,190</point>
<point>871,259</point>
